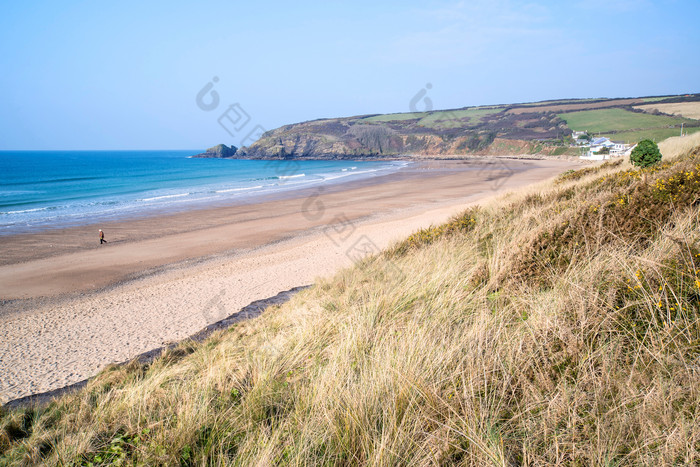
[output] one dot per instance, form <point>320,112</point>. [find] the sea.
<point>55,189</point>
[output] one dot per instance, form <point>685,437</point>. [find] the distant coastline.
<point>537,128</point>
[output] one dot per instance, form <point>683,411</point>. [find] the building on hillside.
<point>602,148</point>
<point>579,138</point>
<point>601,144</point>
<point>619,148</point>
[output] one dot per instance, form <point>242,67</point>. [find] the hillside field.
<point>684,109</point>
<point>613,120</point>
<point>654,134</point>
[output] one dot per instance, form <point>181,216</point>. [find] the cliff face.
<point>326,139</point>
<point>466,131</point>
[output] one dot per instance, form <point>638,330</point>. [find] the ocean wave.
<point>49,208</point>
<point>328,177</point>
<point>179,195</point>
<point>239,189</point>
<point>285,177</point>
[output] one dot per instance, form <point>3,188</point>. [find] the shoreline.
<point>23,257</point>
<point>216,185</point>
<point>208,265</point>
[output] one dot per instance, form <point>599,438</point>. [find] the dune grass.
<point>556,325</point>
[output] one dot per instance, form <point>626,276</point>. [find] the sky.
<point>189,75</point>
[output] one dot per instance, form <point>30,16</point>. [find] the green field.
<point>440,118</point>
<point>454,118</point>
<point>655,134</point>
<point>558,101</point>
<point>395,117</point>
<point>600,121</point>
<point>655,99</point>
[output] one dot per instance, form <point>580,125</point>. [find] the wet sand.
<point>70,306</point>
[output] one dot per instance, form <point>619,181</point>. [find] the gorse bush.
<point>572,175</point>
<point>556,326</point>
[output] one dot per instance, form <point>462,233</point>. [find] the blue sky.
<point>125,75</point>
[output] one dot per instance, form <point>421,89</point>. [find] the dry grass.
<point>672,147</point>
<point>438,351</point>
<point>683,109</point>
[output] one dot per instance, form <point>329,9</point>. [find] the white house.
<point>614,148</point>
<point>619,148</point>
<point>597,144</point>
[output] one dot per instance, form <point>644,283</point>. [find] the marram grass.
<point>558,325</point>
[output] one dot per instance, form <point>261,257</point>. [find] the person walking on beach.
<point>102,237</point>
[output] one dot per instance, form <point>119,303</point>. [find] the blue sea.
<point>52,189</point>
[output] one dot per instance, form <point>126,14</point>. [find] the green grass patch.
<point>566,151</point>
<point>656,99</point>
<point>604,120</point>
<point>456,118</point>
<point>559,101</point>
<point>395,117</point>
<point>654,134</point>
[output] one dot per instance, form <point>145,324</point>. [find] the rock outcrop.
<point>219,151</point>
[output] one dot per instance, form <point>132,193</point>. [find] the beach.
<point>71,306</point>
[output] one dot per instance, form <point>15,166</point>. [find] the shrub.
<point>645,154</point>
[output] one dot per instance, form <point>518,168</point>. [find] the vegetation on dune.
<point>645,154</point>
<point>560,324</point>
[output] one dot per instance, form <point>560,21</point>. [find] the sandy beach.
<point>70,306</point>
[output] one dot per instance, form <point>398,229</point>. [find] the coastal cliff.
<point>543,128</point>
<point>387,136</point>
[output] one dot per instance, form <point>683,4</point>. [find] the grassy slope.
<point>395,117</point>
<point>617,120</point>
<point>447,119</point>
<point>656,134</point>
<point>559,324</point>
<point>438,118</point>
